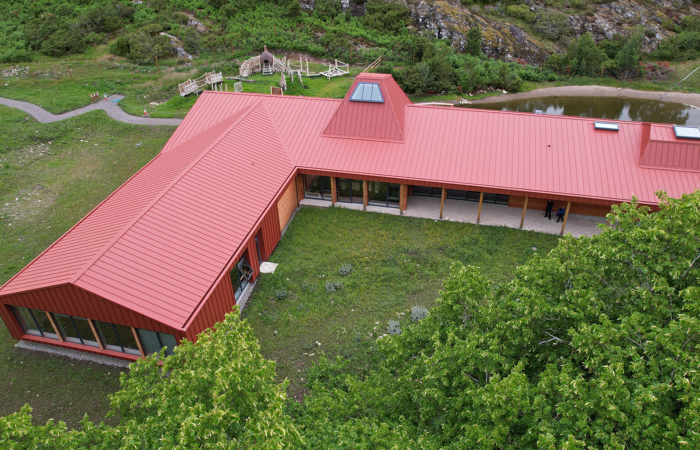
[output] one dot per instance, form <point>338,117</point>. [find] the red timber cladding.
<point>287,204</point>
<point>540,204</point>
<point>77,302</point>
<point>221,299</point>
<point>300,187</point>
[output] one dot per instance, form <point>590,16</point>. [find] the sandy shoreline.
<point>594,91</point>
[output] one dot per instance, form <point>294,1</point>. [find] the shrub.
<point>670,25</point>
<point>521,12</point>
<point>191,40</point>
<point>63,42</point>
<point>391,16</point>
<point>333,286</point>
<point>120,47</point>
<point>152,29</point>
<point>308,287</point>
<point>327,9</point>
<point>552,24</point>
<point>690,23</point>
<point>394,327</point>
<point>281,294</point>
<point>650,32</point>
<point>418,313</point>
<point>15,56</point>
<point>345,269</point>
<point>94,38</point>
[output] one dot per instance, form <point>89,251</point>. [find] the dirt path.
<point>109,106</point>
<point>594,91</point>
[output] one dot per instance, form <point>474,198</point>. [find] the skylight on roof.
<point>367,92</point>
<point>686,132</point>
<point>610,126</point>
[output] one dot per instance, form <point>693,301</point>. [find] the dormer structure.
<point>373,109</point>
<point>670,147</point>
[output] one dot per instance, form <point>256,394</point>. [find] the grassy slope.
<point>45,188</point>
<point>398,262</point>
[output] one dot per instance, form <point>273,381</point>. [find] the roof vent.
<point>610,126</point>
<point>538,111</point>
<point>686,132</point>
<point>367,92</point>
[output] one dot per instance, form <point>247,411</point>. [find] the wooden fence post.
<point>103,74</point>
<point>365,194</point>
<point>70,72</point>
<point>157,66</point>
<point>32,73</point>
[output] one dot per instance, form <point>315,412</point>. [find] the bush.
<point>15,56</point>
<point>690,23</point>
<point>281,294</point>
<point>63,42</point>
<point>191,40</point>
<point>327,9</point>
<point>552,24</point>
<point>418,313</point>
<point>308,287</point>
<point>650,32</point>
<point>670,25</point>
<point>521,12</point>
<point>333,286</point>
<point>391,16</point>
<point>394,327</point>
<point>474,38</point>
<point>120,47</point>
<point>345,269</point>
<point>94,38</point>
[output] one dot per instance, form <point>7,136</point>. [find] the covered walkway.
<point>491,214</point>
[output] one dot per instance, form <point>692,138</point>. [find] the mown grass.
<point>51,175</point>
<point>398,262</point>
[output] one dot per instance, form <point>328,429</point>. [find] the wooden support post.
<point>334,191</point>
<point>32,73</point>
<point>157,66</point>
<point>131,69</point>
<point>442,201</point>
<point>365,195</point>
<point>70,72</point>
<point>566,216</point>
<point>522,219</point>
<point>481,200</point>
<point>97,336</point>
<point>403,198</point>
<point>55,327</point>
<point>138,342</point>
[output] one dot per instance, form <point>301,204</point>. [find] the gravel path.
<point>109,106</point>
<point>594,91</point>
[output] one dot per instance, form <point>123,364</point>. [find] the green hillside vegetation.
<point>121,33</point>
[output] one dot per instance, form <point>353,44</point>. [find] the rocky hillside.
<point>533,30</point>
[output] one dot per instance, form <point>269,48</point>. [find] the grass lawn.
<point>51,175</point>
<point>397,262</point>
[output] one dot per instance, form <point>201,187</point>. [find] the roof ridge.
<point>396,119</point>
<point>228,264</point>
<point>160,196</point>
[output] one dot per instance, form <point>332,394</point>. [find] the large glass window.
<point>427,191</point>
<point>383,194</point>
<point>317,187</point>
<point>76,330</point>
<point>473,196</point>
<point>154,341</point>
<point>367,92</point>
<point>117,338</point>
<point>349,191</point>
<point>34,322</point>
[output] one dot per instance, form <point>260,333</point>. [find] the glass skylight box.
<point>367,92</point>
<point>686,132</point>
<point>610,126</point>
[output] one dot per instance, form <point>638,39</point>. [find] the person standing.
<point>548,209</point>
<point>560,214</point>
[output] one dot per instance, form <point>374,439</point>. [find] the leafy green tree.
<point>218,393</point>
<point>585,56</point>
<point>191,40</point>
<point>627,59</point>
<point>595,345</point>
<point>473,41</point>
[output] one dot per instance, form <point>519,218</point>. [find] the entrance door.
<point>240,276</point>
<point>257,248</point>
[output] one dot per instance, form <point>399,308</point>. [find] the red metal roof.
<point>158,243</point>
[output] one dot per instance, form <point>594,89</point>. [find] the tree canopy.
<point>593,346</point>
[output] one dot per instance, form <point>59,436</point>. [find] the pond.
<point>611,108</point>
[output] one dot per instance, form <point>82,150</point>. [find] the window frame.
<point>363,84</point>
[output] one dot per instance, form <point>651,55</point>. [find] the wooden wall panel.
<point>287,204</point>
<point>300,187</point>
<point>540,204</point>
<point>77,302</point>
